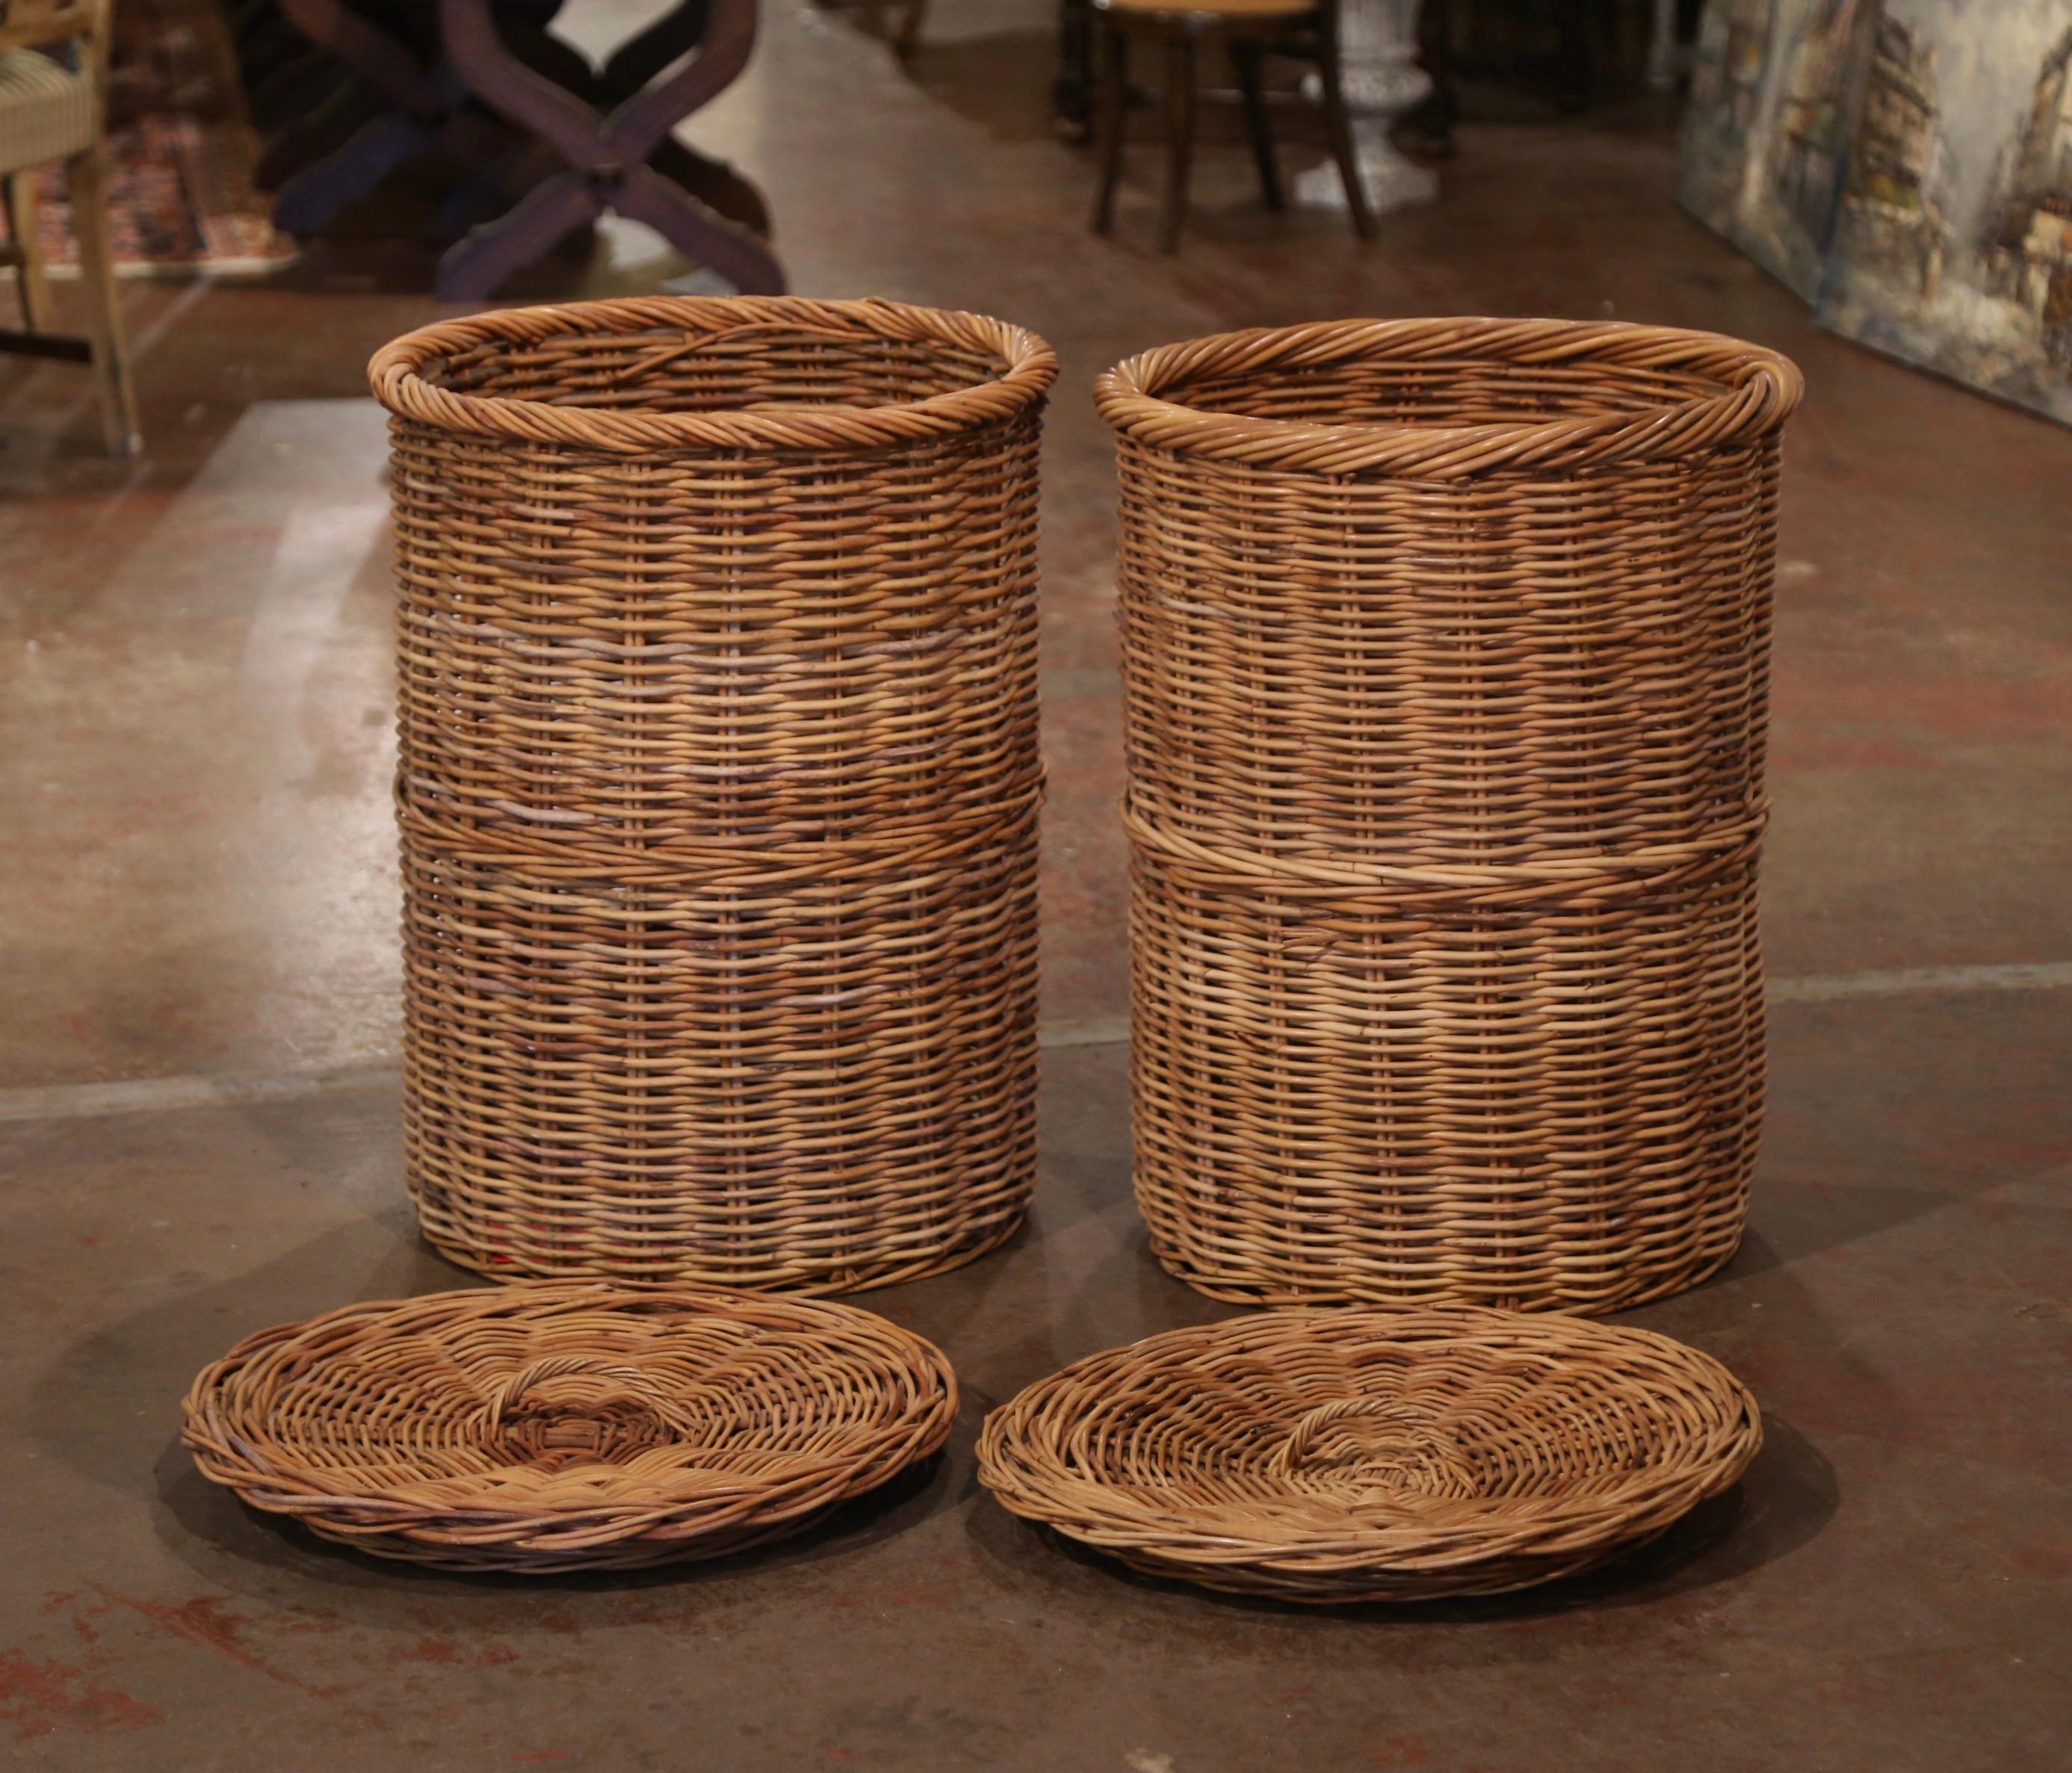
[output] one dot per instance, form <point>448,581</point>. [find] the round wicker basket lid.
<point>561,1426</point>
<point>1340,1455</point>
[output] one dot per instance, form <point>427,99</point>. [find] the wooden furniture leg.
<point>1179,135</point>
<point>1575,60</point>
<point>321,129</point>
<point>1252,81</point>
<point>86,177</point>
<point>1114,121</point>
<point>1337,125</point>
<point>1661,47</point>
<point>404,125</point>
<point>358,40</point>
<point>1433,122</point>
<point>625,73</point>
<point>18,190</point>
<point>661,45</point>
<point>72,138</point>
<point>325,188</point>
<point>1073,99</point>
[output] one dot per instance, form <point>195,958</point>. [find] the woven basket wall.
<point>1446,652</point>
<point>718,786</point>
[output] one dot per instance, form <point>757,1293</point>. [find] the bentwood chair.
<point>53,92</point>
<point>1251,30</point>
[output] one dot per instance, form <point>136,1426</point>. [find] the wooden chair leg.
<point>1251,82</point>
<point>18,190</point>
<point>87,177</point>
<point>1113,121</point>
<point>1338,125</point>
<point>1179,137</point>
<point>1433,121</point>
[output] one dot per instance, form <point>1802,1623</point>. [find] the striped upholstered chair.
<point>53,87</point>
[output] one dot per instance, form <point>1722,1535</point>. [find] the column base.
<point>1391,181</point>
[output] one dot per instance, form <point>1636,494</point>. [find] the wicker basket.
<point>1446,652</point>
<point>1371,1455</point>
<point>718,786</point>
<point>562,1425</point>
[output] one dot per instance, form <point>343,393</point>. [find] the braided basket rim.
<point>1348,1551</point>
<point>233,1446</point>
<point>398,376</point>
<point>1759,388</point>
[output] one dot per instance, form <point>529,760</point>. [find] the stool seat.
<point>47,111</point>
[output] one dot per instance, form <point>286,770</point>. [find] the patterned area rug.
<point>182,196</point>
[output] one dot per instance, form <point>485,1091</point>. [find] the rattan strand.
<point>1446,653</point>
<point>717,785</point>
<point>568,1426</point>
<point>1356,1454</point>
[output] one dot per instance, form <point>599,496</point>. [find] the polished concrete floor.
<point>198,1027</point>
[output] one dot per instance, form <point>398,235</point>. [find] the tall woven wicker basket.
<point>718,786</point>
<point>1446,650</point>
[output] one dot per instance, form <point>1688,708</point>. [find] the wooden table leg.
<point>649,52</point>
<point>1179,135</point>
<point>17,190</point>
<point>633,66</point>
<point>1072,94</point>
<point>1114,121</point>
<point>362,44</point>
<point>308,201</point>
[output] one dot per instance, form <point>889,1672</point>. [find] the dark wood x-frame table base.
<point>612,127</point>
<point>607,156</point>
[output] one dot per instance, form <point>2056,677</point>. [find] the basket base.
<point>626,1554</point>
<point>1375,1587</point>
<point>805,1283</point>
<point>1643,1287</point>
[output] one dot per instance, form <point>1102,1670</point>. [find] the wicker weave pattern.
<point>1445,655</point>
<point>559,1425</point>
<point>1352,1455</point>
<point>718,785</point>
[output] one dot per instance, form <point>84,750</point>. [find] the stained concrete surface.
<point>198,1115</point>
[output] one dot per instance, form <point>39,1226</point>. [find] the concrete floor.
<point>198,1106</point>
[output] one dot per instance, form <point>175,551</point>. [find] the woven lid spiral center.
<point>574,1409</point>
<point>1366,1448</point>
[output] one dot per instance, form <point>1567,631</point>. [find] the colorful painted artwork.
<point>1952,240</point>
<point>1906,166</point>
<point>1774,96</point>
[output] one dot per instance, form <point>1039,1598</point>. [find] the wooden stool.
<point>52,113</point>
<point>1252,30</point>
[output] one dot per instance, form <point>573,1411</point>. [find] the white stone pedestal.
<point>1377,46</point>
